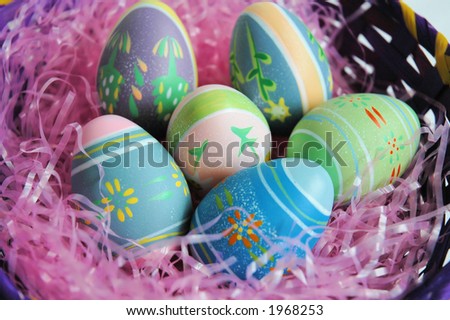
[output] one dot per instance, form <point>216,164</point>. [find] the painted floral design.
<point>119,200</point>
<point>265,85</point>
<point>245,141</point>
<point>121,41</point>
<point>139,69</point>
<point>169,88</point>
<point>352,100</point>
<point>179,181</point>
<point>111,79</point>
<point>321,53</point>
<point>391,148</point>
<point>242,229</point>
<point>375,116</point>
<point>197,153</point>
<point>110,82</point>
<point>394,145</point>
<point>278,111</point>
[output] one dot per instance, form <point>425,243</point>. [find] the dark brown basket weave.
<point>397,43</point>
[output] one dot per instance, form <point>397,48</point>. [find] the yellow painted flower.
<point>278,111</point>
<point>119,200</point>
<point>180,182</point>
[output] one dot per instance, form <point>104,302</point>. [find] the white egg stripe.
<point>411,113</point>
<point>131,130</point>
<point>100,159</point>
<point>309,132</point>
<point>199,91</point>
<point>158,233</point>
<point>358,137</point>
<point>215,114</point>
<point>292,215</point>
<point>308,196</point>
<point>401,119</point>
<point>291,64</point>
<point>312,54</point>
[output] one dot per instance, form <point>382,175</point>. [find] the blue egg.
<point>276,61</point>
<point>141,192</point>
<point>260,207</point>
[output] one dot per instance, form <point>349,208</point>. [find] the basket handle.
<point>431,39</point>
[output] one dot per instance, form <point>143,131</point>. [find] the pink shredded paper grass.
<point>373,248</point>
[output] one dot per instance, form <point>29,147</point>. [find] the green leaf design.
<point>253,256</point>
<point>229,197</point>
<point>263,57</point>
<point>162,46</point>
<point>139,78</point>
<point>252,74</point>
<point>268,84</point>
<point>311,37</point>
<point>219,203</point>
<point>322,56</point>
<point>257,58</point>
<point>133,107</point>
<point>114,39</point>
<point>158,179</point>
<point>162,196</point>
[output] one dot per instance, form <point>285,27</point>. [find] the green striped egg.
<point>214,132</point>
<point>360,139</point>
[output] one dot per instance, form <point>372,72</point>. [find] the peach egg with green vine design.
<point>140,192</point>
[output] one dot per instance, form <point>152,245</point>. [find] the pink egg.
<point>215,132</point>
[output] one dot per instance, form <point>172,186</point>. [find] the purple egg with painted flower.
<point>147,66</point>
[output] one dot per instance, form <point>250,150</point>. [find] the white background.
<point>437,12</point>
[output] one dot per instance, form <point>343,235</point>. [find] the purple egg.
<point>147,66</point>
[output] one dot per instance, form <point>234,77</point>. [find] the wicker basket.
<point>393,40</point>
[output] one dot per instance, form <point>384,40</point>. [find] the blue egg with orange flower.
<point>140,192</point>
<point>263,214</point>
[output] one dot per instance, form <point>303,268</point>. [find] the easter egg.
<point>277,62</point>
<point>214,132</point>
<point>360,139</point>
<point>263,214</point>
<point>133,179</point>
<point>147,66</point>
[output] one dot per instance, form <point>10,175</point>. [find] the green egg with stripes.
<point>365,141</point>
<point>140,194</point>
